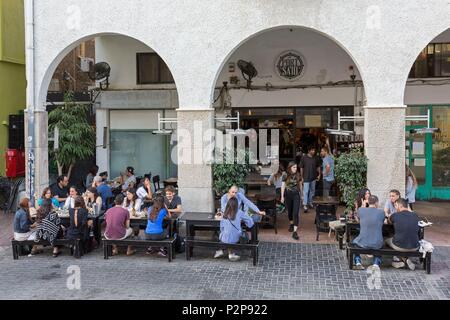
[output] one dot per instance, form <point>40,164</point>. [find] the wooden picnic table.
<point>326,200</point>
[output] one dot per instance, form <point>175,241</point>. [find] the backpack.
<point>179,243</point>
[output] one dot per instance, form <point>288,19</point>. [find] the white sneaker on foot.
<point>219,253</point>
<point>359,266</point>
<point>233,257</point>
<point>410,264</point>
<point>398,264</point>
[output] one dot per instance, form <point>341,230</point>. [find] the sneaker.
<point>410,264</point>
<point>396,259</point>
<point>295,235</point>
<point>233,257</point>
<point>305,209</point>
<point>359,266</point>
<point>375,267</point>
<point>151,251</point>
<point>162,252</point>
<point>291,228</point>
<point>398,264</point>
<point>219,253</point>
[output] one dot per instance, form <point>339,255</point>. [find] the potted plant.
<point>227,174</point>
<point>351,176</point>
<point>76,135</point>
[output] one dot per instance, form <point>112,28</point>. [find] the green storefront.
<point>428,154</point>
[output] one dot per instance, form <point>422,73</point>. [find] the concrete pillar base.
<point>384,134</point>
<point>194,172</point>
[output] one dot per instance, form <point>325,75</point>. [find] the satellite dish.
<point>100,72</point>
<point>248,71</point>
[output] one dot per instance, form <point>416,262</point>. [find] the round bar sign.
<point>290,65</point>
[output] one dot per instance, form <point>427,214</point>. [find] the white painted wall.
<point>195,37</point>
<point>120,53</point>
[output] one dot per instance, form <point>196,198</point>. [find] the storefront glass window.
<point>441,147</point>
<point>142,150</point>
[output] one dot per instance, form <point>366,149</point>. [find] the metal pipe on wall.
<point>30,139</point>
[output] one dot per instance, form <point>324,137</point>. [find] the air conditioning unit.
<point>85,64</point>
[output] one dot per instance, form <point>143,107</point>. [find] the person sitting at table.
<point>291,189</point>
<point>23,226</point>
<point>406,235</point>
<point>130,181</point>
<point>243,202</point>
<point>370,234</point>
<point>144,192</point>
<point>389,207</point>
<point>155,228</point>
<point>103,190</point>
<point>47,195</point>
<point>104,175</point>
<point>49,230</point>
<point>362,201</point>
<point>131,202</point>
<point>230,227</point>
<point>59,189</point>
<point>276,179</point>
<point>92,197</point>
<point>118,224</point>
<point>45,208</point>
<point>79,224</point>
<point>172,201</point>
<point>90,177</point>
<point>70,201</point>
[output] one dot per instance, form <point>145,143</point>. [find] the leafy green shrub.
<point>351,176</point>
<point>228,174</point>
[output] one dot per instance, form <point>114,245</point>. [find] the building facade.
<point>363,58</point>
<point>12,68</point>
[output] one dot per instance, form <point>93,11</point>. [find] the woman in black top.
<point>291,189</point>
<point>78,228</point>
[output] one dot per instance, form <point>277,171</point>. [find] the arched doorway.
<point>427,93</point>
<point>304,79</point>
<point>122,110</point>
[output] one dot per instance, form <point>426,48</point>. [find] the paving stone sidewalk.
<point>285,271</point>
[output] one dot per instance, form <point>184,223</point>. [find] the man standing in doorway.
<point>310,170</point>
<point>327,170</point>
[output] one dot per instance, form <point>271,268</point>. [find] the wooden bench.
<point>75,246</point>
<point>386,251</point>
<point>192,242</point>
<point>165,243</point>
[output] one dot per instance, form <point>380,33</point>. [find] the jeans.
<point>309,189</point>
<point>326,187</point>
<point>292,201</point>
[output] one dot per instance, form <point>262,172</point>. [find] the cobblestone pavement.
<point>285,271</point>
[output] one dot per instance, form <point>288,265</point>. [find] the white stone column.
<point>41,179</point>
<point>384,135</point>
<point>194,173</point>
<point>102,154</point>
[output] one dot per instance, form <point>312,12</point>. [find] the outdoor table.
<point>326,200</point>
<point>170,182</point>
<point>140,221</point>
<point>207,221</point>
<point>387,230</point>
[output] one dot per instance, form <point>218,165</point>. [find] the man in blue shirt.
<point>243,203</point>
<point>371,234</point>
<point>327,170</point>
<point>103,190</point>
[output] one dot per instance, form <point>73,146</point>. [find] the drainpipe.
<point>30,139</point>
